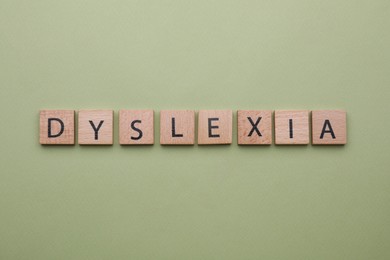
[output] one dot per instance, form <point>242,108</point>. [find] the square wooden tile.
<point>136,127</point>
<point>95,127</point>
<point>254,127</point>
<point>177,127</point>
<point>215,127</point>
<point>292,127</point>
<point>329,127</point>
<point>56,127</point>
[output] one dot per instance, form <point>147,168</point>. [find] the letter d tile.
<point>56,127</point>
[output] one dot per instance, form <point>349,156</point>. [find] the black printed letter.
<point>49,134</point>
<point>254,126</point>
<point>136,129</point>
<point>96,129</point>
<point>213,126</point>
<point>327,123</point>
<point>290,123</point>
<point>174,129</point>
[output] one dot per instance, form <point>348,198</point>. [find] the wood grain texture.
<point>247,134</point>
<point>215,127</point>
<point>183,132</point>
<point>60,134</point>
<point>299,133</point>
<point>87,134</point>
<point>130,120</point>
<point>331,121</point>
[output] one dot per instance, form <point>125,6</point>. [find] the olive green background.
<point>209,202</point>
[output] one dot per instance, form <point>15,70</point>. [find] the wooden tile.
<point>292,127</point>
<point>95,127</point>
<point>56,127</point>
<point>136,127</point>
<point>254,127</point>
<point>177,127</point>
<point>215,127</point>
<point>329,127</point>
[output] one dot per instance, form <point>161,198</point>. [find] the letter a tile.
<point>95,127</point>
<point>56,127</point>
<point>329,127</point>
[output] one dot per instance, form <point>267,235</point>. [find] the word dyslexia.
<point>177,127</point>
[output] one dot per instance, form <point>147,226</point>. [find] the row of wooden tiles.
<point>177,127</point>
